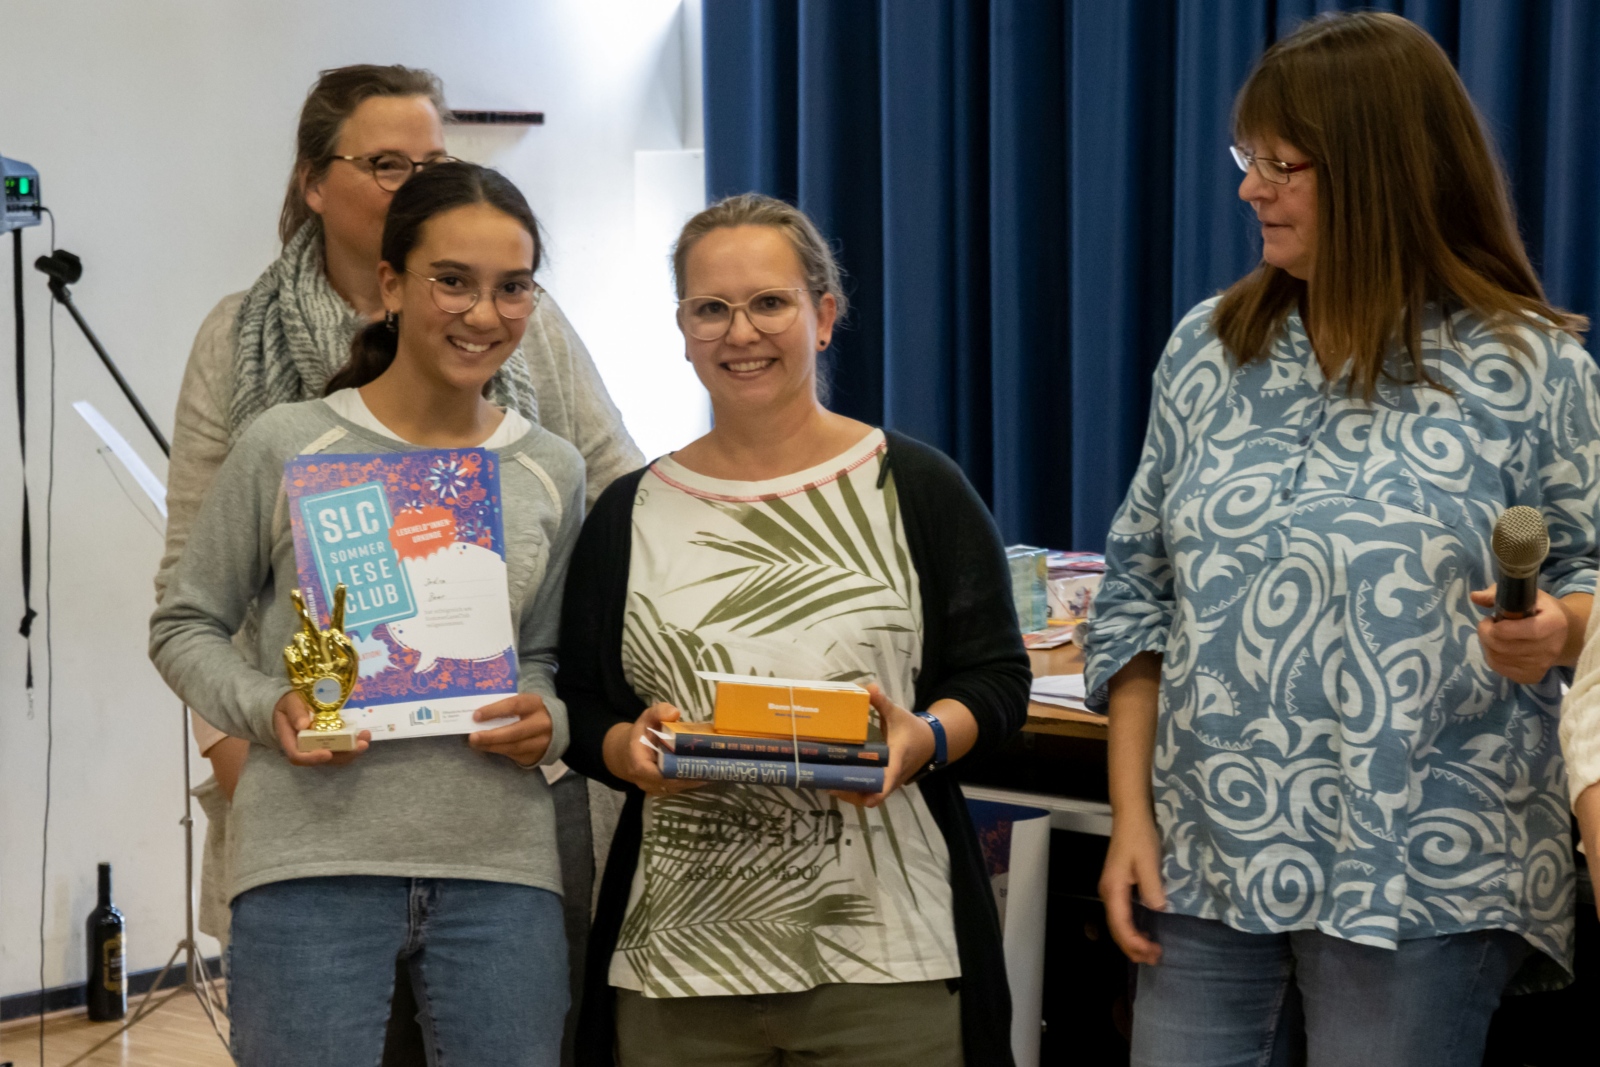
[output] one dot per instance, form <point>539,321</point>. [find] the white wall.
<point>162,134</point>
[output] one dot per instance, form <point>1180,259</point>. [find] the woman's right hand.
<point>628,757</point>
<point>1134,859</point>
<point>1133,862</point>
<point>291,715</point>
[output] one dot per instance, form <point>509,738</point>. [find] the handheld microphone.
<point>1521,542</point>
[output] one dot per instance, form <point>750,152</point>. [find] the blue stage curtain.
<point>1028,194</point>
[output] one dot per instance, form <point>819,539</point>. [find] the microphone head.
<point>1521,541</point>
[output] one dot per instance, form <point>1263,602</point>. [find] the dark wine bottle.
<point>108,976</point>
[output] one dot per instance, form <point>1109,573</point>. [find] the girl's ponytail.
<point>371,352</point>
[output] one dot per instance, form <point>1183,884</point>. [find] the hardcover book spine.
<point>773,772</point>
<point>724,746</point>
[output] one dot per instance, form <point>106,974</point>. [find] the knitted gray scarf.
<point>294,331</point>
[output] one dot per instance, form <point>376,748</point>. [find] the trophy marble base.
<point>341,740</point>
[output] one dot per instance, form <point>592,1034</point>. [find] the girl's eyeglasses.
<point>452,294</point>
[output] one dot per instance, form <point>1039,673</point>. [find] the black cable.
<point>28,614</point>
<point>49,647</point>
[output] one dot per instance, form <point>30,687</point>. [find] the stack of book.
<point>778,732</point>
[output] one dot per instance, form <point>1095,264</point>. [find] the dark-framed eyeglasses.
<point>455,295</point>
<point>1275,171</point>
<point>391,170</point>
<point>709,318</point>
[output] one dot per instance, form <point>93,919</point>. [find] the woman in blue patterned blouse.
<point>1336,783</point>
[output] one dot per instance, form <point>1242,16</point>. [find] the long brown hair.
<point>332,100</point>
<point>1413,207</point>
<point>440,188</point>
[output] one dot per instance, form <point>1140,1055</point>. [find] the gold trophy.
<point>323,666</point>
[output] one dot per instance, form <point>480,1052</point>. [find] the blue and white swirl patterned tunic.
<point>1333,753</point>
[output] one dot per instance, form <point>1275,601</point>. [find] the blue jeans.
<point>311,970</point>
<point>1222,998</point>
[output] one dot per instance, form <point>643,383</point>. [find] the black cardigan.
<point>971,651</point>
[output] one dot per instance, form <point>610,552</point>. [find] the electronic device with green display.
<point>22,195</point>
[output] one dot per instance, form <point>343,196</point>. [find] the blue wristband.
<point>941,746</point>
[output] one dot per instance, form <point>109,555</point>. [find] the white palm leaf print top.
<point>744,889</point>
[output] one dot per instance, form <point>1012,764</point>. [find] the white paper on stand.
<point>123,451</point>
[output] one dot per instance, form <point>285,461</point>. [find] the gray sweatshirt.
<point>573,404</point>
<point>425,807</point>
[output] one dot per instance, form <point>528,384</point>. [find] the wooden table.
<point>1062,722</point>
<point>1057,764</point>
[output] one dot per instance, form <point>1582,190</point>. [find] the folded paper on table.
<point>1058,687</point>
<point>417,539</point>
<point>1060,691</point>
<point>1066,703</point>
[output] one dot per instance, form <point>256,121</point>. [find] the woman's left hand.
<point>1523,649</point>
<point>910,743</point>
<point>525,741</point>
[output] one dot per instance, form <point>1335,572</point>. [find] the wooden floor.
<point>176,1035</point>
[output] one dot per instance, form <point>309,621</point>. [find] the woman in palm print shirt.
<point>794,542</point>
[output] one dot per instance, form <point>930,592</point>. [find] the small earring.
<point>392,320</point>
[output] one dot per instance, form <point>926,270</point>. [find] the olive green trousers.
<point>845,1025</point>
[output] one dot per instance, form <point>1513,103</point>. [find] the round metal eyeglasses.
<point>453,295</point>
<point>1275,171</point>
<point>709,318</point>
<point>391,170</point>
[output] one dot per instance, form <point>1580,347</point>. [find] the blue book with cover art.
<point>418,541</point>
<point>773,772</point>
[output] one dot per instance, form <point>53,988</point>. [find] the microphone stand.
<point>63,268</point>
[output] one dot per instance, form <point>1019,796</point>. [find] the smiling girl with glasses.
<point>439,851</point>
<point>363,131</point>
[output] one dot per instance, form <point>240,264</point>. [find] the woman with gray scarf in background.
<point>363,131</point>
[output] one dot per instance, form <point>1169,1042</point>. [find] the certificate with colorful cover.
<point>418,540</point>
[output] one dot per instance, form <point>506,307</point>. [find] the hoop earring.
<point>391,319</point>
